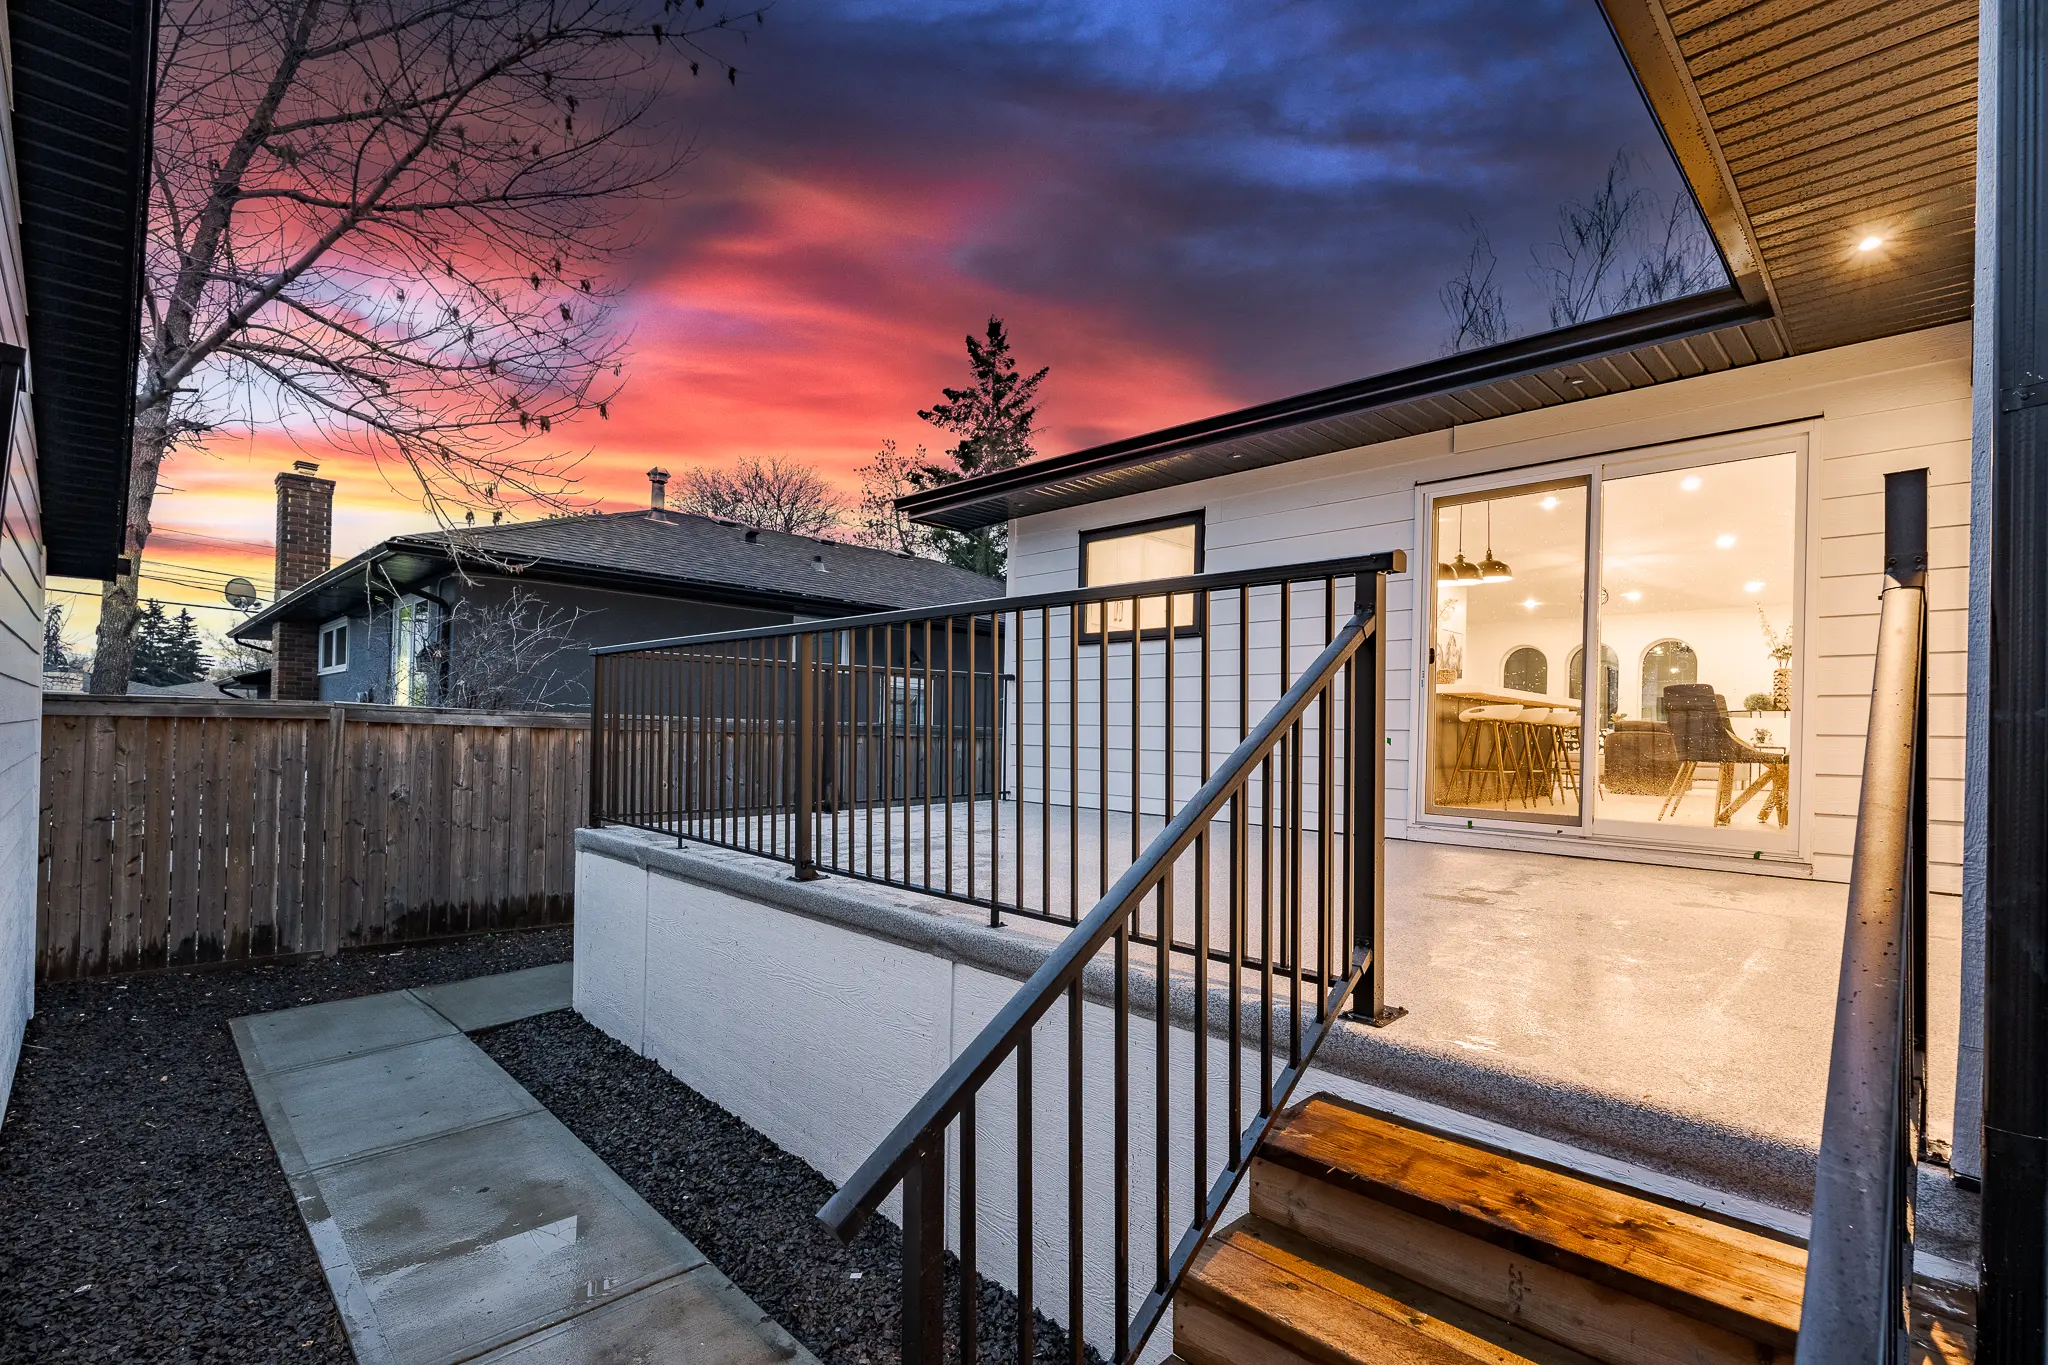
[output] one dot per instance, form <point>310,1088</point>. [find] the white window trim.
<point>339,624</point>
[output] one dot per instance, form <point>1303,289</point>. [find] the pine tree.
<point>152,646</point>
<point>188,662</point>
<point>57,655</point>
<point>995,420</point>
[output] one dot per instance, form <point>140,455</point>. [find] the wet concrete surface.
<point>454,1217</point>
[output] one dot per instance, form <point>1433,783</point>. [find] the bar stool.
<point>1490,722</point>
<point>1564,725</point>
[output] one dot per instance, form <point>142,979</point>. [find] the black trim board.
<point>1676,340</point>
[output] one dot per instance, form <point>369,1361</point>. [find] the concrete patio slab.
<point>474,1239</point>
<point>341,1028</point>
<point>488,1001</point>
<point>456,1218</point>
<point>340,1110</point>
<point>696,1319</point>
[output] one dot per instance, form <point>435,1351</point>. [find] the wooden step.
<point>1261,1295</point>
<point>1614,1275</point>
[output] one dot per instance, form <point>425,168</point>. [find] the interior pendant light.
<point>1461,569</point>
<point>1492,570</point>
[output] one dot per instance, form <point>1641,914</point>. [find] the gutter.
<point>1524,356</point>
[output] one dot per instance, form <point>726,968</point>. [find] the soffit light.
<point>1753,586</point>
<point>1724,542</point>
<point>1531,603</point>
<point>1690,483</point>
<point>1548,504</point>
<point>1870,243</point>
<point>1492,570</point>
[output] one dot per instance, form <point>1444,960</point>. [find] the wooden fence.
<point>176,832</point>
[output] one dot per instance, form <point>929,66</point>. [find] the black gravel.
<point>143,1217</point>
<point>748,1205</point>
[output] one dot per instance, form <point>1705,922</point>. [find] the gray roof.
<point>667,553</point>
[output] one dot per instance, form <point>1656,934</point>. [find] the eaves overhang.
<point>1702,334</point>
<point>81,87</point>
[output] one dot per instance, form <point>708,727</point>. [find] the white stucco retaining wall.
<point>819,1012</point>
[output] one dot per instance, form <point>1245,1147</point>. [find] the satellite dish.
<point>241,594</point>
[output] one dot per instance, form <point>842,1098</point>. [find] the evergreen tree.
<point>152,643</point>
<point>994,419</point>
<point>188,661</point>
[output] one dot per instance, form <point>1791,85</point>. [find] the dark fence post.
<point>806,756</point>
<point>924,1255</point>
<point>1368,777</point>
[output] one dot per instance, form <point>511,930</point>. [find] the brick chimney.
<point>305,539</point>
<point>657,488</point>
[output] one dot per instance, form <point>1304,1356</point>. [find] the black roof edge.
<point>533,570</point>
<point>1670,321</point>
<point>84,107</point>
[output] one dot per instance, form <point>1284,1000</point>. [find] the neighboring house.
<point>76,129</point>
<point>1690,493</point>
<point>436,618</point>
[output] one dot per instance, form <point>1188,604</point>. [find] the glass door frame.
<point>1790,844</point>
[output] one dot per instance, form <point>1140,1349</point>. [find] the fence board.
<point>174,833</point>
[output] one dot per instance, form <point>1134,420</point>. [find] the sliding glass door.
<point>1509,592</point>
<point>1684,732</point>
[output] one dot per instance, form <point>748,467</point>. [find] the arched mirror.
<point>1525,670</point>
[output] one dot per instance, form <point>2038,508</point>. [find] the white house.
<point>76,132</point>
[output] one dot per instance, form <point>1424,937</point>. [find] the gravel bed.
<point>748,1205</point>
<point>144,1215</point>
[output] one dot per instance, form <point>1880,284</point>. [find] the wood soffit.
<point>1805,128</point>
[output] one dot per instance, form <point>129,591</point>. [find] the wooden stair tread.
<point>1259,1294</point>
<point>1730,1277</point>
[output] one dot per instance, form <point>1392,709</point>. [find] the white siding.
<point>21,665</point>
<point>1899,403</point>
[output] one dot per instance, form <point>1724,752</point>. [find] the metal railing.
<point>1015,754</point>
<point>1295,928</point>
<point>1860,1251</point>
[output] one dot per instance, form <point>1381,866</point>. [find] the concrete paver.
<point>285,1039</point>
<point>488,1001</point>
<point>457,1219</point>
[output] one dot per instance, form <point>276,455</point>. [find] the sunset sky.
<point>1181,206</point>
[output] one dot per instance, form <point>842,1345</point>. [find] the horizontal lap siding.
<point>1894,404</point>
<point>21,672</point>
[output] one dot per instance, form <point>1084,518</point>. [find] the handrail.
<point>1860,1249</point>
<point>848,1210</point>
<point>1275,752</point>
<point>1387,561</point>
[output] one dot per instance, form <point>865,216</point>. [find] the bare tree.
<point>1579,262</point>
<point>1473,300</point>
<point>518,654</point>
<point>878,524</point>
<point>774,494</point>
<point>388,219</point>
<point>1676,258</point>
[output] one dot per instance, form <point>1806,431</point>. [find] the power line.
<point>164,601</point>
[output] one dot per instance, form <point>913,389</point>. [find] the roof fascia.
<point>1642,30</point>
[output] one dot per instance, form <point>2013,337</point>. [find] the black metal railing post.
<point>1860,1253</point>
<point>806,742</point>
<point>600,735</point>
<point>1368,780</point>
<point>924,1254</point>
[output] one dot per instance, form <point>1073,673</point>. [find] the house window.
<point>1142,552</point>
<point>1526,670</point>
<point>334,647</point>
<point>1667,663</point>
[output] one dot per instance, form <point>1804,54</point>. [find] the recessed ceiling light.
<point>1724,542</point>
<point>1632,597</point>
<point>1531,603</point>
<point>1753,585</point>
<point>1690,483</point>
<point>1548,504</point>
<point>1870,244</point>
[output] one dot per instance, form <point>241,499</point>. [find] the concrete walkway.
<point>456,1219</point>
